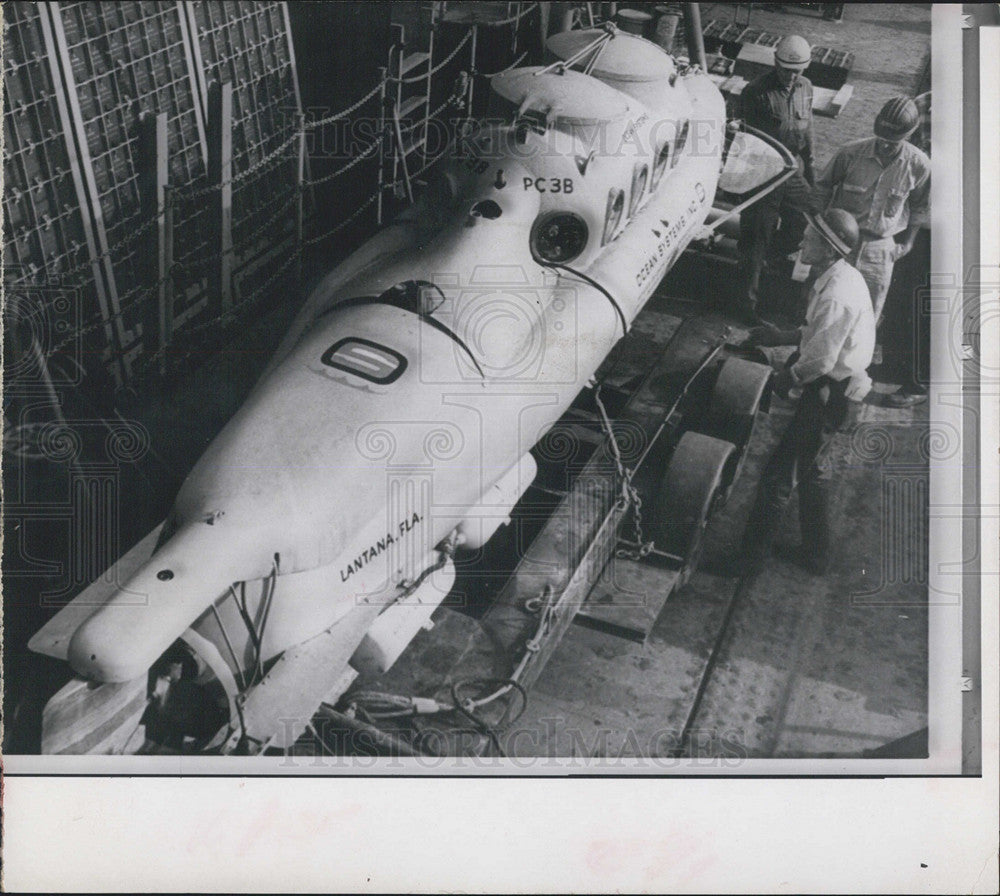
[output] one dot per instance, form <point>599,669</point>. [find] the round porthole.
<point>558,237</point>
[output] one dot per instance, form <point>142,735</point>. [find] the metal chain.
<point>312,241</point>
<point>368,150</point>
<point>439,66</point>
<point>431,163</point>
<point>283,207</point>
<point>254,296</point>
<point>142,294</point>
<point>514,18</point>
<point>629,493</point>
<point>342,114</point>
<point>513,65</point>
<point>248,172</point>
<point>107,253</point>
<point>432,114</point>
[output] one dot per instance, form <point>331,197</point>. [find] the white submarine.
<point>315,536</point>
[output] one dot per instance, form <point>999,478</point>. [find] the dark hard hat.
<point>897,119</point>
<point>793,52</point>
<point>839,229</point>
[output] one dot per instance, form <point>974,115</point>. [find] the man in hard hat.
<point>885,183</point>
<point>780,104</point>
<point>829,372</point>
<point>906,334</point>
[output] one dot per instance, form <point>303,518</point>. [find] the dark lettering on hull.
<point>369,554</point>
<point>662,254</point>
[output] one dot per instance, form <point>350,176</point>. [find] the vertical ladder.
<point>409,110</point>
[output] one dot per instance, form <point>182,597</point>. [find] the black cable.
<point>241,605</point>
<point>480,723</point>
<point>501,683</point>
<point>597,286</point>
<point>268,600</point>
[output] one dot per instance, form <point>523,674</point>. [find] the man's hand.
<point>769,335</point>
<point>902,249</point>
<point>784,382</point>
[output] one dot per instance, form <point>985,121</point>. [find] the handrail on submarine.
<point>560,65</point>
<point>767,187</point>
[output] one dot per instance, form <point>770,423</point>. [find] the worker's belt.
<point>830,392</point>
<point>825,380</point>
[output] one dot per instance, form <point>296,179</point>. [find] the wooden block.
<point>841,98</point>
<point>756,54</point>
<point>627,599</point>
<point>829,103</point>
<point>85,717</point>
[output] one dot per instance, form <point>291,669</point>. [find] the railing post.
<point>695,39</point>
<point>382,124</point>
<point>165,280</point>
<point>157,323</point>
<point>220,176</point>
<point>300,186</point>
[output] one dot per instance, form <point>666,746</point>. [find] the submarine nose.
<point>150,610</point>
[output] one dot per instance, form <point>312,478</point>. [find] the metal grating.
<point>78,78</point>
<point>249,45</point>
<point>44,236</point>
<point>126,59</point>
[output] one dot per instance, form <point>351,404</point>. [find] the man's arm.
<point>807,150</point>
<point>822,339</point>
<point>830,179</point>
<point>919,200</point>
<point>770,335</point>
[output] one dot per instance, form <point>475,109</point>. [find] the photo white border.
<point>533,835</point>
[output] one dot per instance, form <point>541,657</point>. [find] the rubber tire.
<point>742,390</point>
<point>698,474</point>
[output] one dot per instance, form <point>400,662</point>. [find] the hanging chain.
<point>629,493</point>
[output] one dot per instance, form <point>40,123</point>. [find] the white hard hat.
<point>793,52</point>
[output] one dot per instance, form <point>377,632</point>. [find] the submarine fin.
<point>53,638</point>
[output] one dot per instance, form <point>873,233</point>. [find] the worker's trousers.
<point>789,203</point>
<point>802,459</point>
<point>875,260</point>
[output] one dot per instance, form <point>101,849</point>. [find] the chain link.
<point>368,150</point>
<point>283,207</point>
<point>321,122</point>
<point>265,161</point>
<point>312,241</point>
<point>629,494</point>
<point>510,67</point>
<point>432,162</point>
<point>259,292</point>
<point>142,294</point>
<point>514,18</point>
<point>124,243</point>
<point>451,101</point>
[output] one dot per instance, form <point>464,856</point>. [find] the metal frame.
<point>76,139</point>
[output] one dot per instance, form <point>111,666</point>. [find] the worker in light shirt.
<point>828,373</point>
<point>884,182</point>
